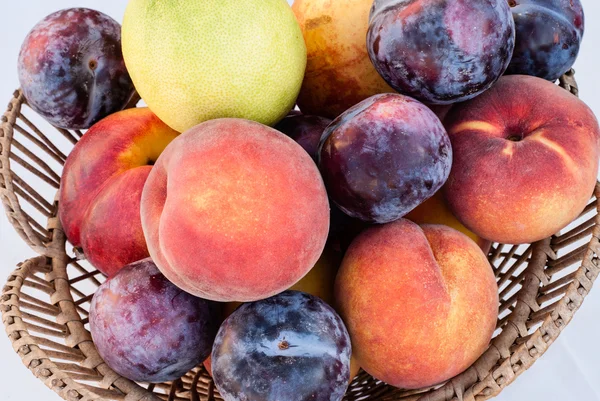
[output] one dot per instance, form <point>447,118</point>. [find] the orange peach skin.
<point>420,303</point>
<point>102,183</point>
<point>234,211</point>
<point>525,160</point>
<point>339,73</point>
<point>435,211</point>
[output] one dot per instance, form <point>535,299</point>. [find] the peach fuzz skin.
<point>102,184</point>
<point>420,303</point>
<point>435,211</point>
<point>525,160</point>
<point>244,216</point>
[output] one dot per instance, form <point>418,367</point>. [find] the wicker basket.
<point>46,300</point>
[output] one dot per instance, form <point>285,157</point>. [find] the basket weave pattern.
<point>46,300</point>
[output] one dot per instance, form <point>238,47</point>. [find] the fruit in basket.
<point>441,51</point>
<point>194,61</point>
<point>525,160</point>
<point>245,214</point>
<point>146,329</point>
<point>435,211</point>
<point>101,187</point>
<point>71,68</point>
<point>306,130</point>
<point>292,346</point>
<point>420,303</point>
<point>383,157</point>
<point>339,73</point>
<point>548,35</point>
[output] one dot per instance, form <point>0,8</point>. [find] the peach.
<point>435,211</point>
<point>101,187</point>
<point>420,303</point>
<point>525,160</point>
<point>339,73</point>
<point>234,211</point>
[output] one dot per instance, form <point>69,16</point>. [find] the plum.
<point>291,347</point>
<point>146,329</point>
<point>343,229</point>
<point>441,51</point>
<point>384,157</point>
<point>71,68</point>
<point>549,33</point>
<point>304,129</point>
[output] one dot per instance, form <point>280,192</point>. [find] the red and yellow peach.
<point>420,303</point>
<point>101,187</point>
<point>235,211</point>
<point>525,160</point>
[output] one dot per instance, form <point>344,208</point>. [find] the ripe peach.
<point>235,211</point>
<point>525,160</point>
<point>420,303</point>
<point>101,187</point>
<point>339,73</point>
<point>435,211</point>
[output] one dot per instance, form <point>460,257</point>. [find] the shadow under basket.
<point>46,300</point>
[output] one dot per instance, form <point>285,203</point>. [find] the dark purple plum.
<point>146,329</point>
<point>71,68</point>
<point>304,129</point>
<point>291,347</point>
<point>441,51</point>
<point>343,229</point>
<point>384,157</point>
<point>549,33</point>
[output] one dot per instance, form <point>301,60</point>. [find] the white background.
<point>570,370</point>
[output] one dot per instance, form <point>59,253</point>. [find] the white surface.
<point>570,370</point>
